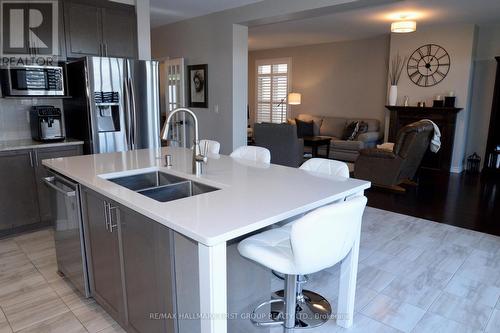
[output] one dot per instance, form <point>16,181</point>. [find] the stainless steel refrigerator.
<point>114,104</point>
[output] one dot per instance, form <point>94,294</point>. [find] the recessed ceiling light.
<point>403,26</point>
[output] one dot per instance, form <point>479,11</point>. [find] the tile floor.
<point>34,298</point>
<point>414,276</point>
<point>418,276</point>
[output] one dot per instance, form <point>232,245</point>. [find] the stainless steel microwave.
<point>33,81</point>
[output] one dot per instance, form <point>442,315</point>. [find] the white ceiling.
<point>169,11</point>
<point>372,21</point>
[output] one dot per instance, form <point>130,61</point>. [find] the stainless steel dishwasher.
<point>68,231</point>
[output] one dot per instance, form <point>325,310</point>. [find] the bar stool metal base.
<point>312,310</point>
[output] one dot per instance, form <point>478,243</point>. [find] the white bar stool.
<point>252,153</point>
<point>211,146</point>
<point>299,249</point>
<point>326,167</point>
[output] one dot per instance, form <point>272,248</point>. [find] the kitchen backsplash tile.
<point>14,118</point>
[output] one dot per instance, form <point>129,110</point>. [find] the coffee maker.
<point>46,123</point>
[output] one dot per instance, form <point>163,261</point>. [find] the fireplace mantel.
<point>444,117</point>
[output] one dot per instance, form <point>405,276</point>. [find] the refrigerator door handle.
<point>133,112</point>
<point>126,102</point>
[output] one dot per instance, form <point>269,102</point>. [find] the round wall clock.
<point>428,65</point>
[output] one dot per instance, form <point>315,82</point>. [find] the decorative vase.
<point>393,95</point>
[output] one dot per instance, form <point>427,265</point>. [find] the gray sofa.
<point>281,140</point>
<point>334,127</point>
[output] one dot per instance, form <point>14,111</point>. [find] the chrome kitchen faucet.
<point>199,158</point>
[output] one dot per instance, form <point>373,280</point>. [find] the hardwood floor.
<point>463,200</point>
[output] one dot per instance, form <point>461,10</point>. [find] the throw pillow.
<point>363,128</point>
<point>304,128</point>
<point>350,131</point>
<point>316,120</point>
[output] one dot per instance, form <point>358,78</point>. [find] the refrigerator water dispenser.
<point>108,111</point>
<point>108,118</point>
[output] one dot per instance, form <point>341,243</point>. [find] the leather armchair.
<point>281,140</point>
<point>390,168</point>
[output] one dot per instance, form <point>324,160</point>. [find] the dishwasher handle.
<point>49,181</point>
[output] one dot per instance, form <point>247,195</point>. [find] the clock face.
<point>428,65</point>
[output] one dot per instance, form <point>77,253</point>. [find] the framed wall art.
<point>197,86</point>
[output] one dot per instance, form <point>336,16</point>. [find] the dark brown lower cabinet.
<point>130,263</point>
<point>18,195</point>
<point>147,265</point>
<point>103,253</point>
<point>24,198</point>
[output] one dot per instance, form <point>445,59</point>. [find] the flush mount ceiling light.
<point>403,26</point>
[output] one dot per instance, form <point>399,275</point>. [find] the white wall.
<point>208,42</point>
<point>458,40</point>
<point>142,10</point>
<point>335,79</point>
<point>488,47</point>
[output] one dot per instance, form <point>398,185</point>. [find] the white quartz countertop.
<point>251,196</point>
<point>32,144</point>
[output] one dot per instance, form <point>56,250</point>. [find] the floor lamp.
<point>294,98</point>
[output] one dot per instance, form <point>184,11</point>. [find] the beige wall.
<point>458,40</point>
<point>347,79</point>
<point>219,40</point>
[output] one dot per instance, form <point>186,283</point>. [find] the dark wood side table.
<point>315,142</point>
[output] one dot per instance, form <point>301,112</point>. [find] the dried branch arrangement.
<point>396,68</point>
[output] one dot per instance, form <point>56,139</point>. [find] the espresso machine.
<point>46,123</point>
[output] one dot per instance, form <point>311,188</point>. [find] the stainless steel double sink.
<point>162,186</point>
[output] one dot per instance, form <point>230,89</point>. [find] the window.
<point>272,86</point>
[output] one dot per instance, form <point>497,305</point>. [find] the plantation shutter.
<point>273,82</point>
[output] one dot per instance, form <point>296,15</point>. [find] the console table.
<point>445,118</point>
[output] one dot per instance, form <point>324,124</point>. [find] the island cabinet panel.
<point>18,197</point>
<point>147,266</point>
<point>248,284</point>
<point>103,252</point>
<point>43,191</point>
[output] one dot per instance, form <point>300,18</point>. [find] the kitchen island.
<point>207,278</point>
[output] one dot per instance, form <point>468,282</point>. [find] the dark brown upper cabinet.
<point>100,28</point>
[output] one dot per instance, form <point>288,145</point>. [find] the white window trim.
<point>272,61</point>
<point>175,66</point>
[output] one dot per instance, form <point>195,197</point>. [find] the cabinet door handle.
<point>31,159</point>
<point>106,49</point>
<point>111,225</point>
<point>106,215</point>
<point>36,158</point>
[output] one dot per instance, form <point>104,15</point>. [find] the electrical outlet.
<point>216,108</point>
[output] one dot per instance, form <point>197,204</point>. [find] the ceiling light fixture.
<point>403,26</point>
